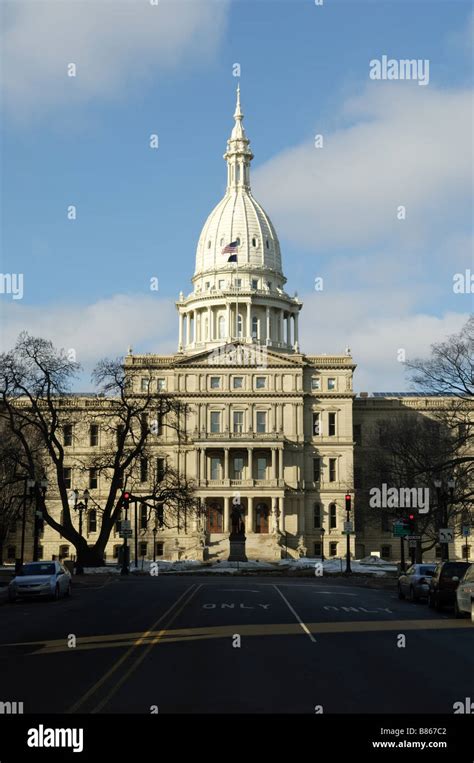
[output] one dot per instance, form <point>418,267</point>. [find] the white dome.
<point>238,217</point>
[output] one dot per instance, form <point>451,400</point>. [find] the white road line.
<point>296,615</point>
<point>240,590</point>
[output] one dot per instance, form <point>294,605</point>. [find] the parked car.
<point>464,601</point>
<point>444,583</point>
<point>415,582</point>
<point>36,579</point>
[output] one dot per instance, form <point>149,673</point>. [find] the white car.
<point>49,579</point>
<point>464,601</point>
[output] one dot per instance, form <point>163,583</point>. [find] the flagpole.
<point>237,301</point>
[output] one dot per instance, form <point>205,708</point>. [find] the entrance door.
<point>214,518</point>
<point>262,518</point>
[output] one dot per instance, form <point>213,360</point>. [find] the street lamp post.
<point>154,531</point>
<point>322,531</point>
<point>443,497</point>
<point>80,506</point>
<point>40,486</point>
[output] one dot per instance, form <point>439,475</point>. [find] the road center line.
<point>296,615</point>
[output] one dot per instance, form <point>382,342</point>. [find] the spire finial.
<point>238,111</point>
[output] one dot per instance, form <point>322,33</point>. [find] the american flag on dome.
<point>231,249</point>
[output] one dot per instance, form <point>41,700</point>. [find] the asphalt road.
<point>240,644</point>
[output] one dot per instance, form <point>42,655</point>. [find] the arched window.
<point>332,516</point>
<point>317,516</point>
<point>92,520</point>
<point>221,327</point>
<point>255,327</point>
<point>268,245</point>
<point>208,244</point>
<point>238,240</point>
<point>254,241</point>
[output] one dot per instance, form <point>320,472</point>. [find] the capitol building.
<point>277,430</point>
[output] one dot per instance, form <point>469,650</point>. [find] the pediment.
<point>239,354</point>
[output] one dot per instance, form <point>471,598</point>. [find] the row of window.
<point>318,515</point>
<point>255,240</point>
<point>332,548</point>
<point>317,424</point>
<point>330,383</point>
<point>238,421</point>
<point>155,427</point>
<point>93,473</point>
<point>237,283</point>
<point>152,385</point>
<point>65,551</point>
<point>261,466</point>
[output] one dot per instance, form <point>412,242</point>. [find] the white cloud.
<point>112,42</point>
<point>401,145</point>
<point>103,329</point>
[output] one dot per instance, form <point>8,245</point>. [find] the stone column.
<point>209,324</point>
<point>268,325</point>
<point>188,328</point>
<point>226,463</point>
<point>274,515</point>
<point>202,464</point>
<point>282,331</point>
<point>280,463</point>
<point>282,514</point>
<point>180,340</point>
<point>229,325</point>
<point>226,513</point>
<point>194,327</point>
<point>249,327</point>
<point>296,316</point>
<point>249,525</point>
<point>249,464</point>
<point>273,463</point>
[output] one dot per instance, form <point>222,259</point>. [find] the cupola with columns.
<point>244,300</point>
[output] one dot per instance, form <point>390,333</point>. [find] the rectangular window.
<point>143,546</point>
<point>261,468</point>
<point>316,424</point>
<point>316,469</point>
<point>67,475</point>
<point>144,424</point>
<point>331,384</point>
<point>261,421</point>
<point>215,468</point>
<point>315,382</point>
<point>160,469</point>
<point>207,285</point>
<point>333,549</point>
<point>143,516</point>
<point>238,283</point>
<point>254,283</point>
<point>143,470</point>
<point>332,469</point>
<point>317,549</point>
<point>331,424</point>
<point>317,516</point>
<point>93,478</point>
<point>161,385</point>
<point>215,421</point>
<point>160,514</point>
<point>238,421</point>
<point>94,434</point>
<point>221,285</point>
<point>159,549</point>
<point>215,382</point>
<point>332,516</point>
<point>238,382</point>
<point>386,552</point>
<point>67,434</point>
<point>358,434</point>
<point>92,520</point>
<point>144,385</point>
<point>260,382</point>
<point>238,467</point>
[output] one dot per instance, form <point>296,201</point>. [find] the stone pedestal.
<point>237,548</point>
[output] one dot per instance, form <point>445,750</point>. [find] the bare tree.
<point>35,381</point>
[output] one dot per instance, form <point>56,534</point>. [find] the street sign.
<point>413,537</point>
<point>125,524</point>
<point>400,530</point>
<point>125,533</point>
<point>466,531</point>
<point>446,535</point>
<point>348,528</point>
<point>412,543</point>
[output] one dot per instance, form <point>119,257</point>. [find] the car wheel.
<point>457,611</point>
<point>401,595</point>
<point>412,595</point>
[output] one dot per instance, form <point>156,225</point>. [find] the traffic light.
<point>126,497</point>
<point>411,524</point>
<point>348,503</point>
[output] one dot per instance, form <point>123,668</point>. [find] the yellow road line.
<point>122,659</point>
<point>140,659</point>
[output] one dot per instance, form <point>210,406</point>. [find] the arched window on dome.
<point>221,327</point>
<point>268,245</point>
<point>208,244</point>
<point>254,241</point>
<point>238,173</point>
<point>254,327</point>
<point>238,240</point>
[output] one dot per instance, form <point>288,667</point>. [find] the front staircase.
<point>261,546</point>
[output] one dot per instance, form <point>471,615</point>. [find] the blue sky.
<point>304,70</point>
